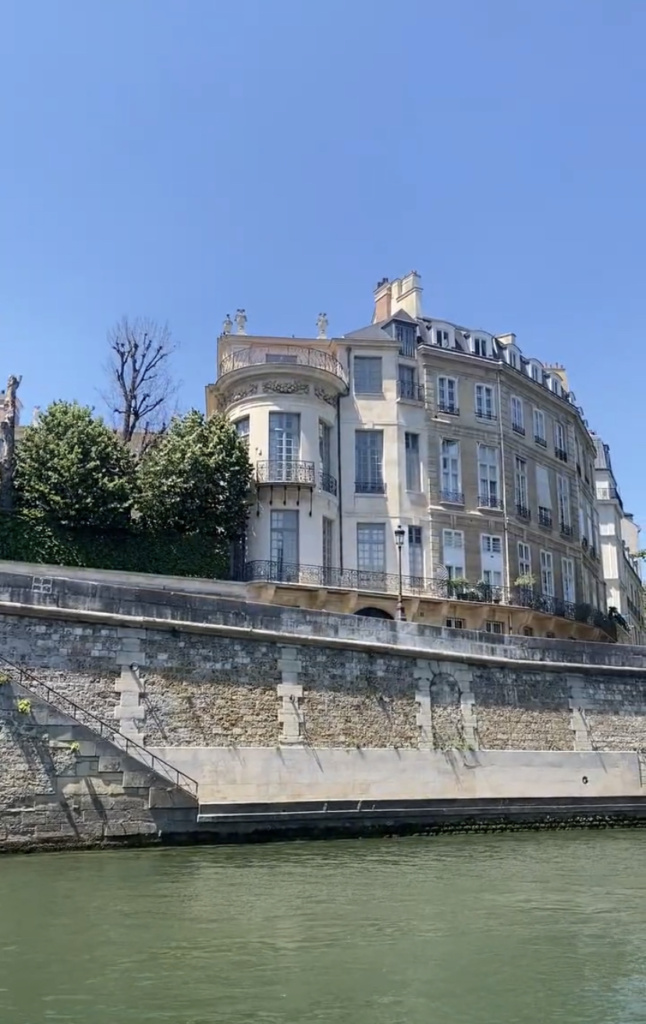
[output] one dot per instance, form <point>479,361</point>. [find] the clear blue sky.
<point>179,158</point>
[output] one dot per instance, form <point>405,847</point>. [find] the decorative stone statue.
<point>321,323</point>
<point>35,417</point>
<point>10,394</point>
<point>227,326</point>
<point>241,321</point>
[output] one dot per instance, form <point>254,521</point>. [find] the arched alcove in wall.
<point>374,613</point>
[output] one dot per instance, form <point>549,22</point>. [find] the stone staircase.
<point>106,750</point>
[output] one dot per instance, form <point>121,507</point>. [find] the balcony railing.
<point>286,471</point>
<point>518,428</point>
<point>369,487</point>
<point>410,391</point>
<point>449,408</point>
<point>328,483</point>
<point>295,355</point>
<point>567,530</point>
<point>540,440</point>
<point>450,590</point>
<point>485,414</point>
<point>561,454</point>
<point>487,501</point>
<point>523,512</point>
<point>544,517</point>
<point>452,497</point>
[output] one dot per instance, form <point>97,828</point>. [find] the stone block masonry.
<point>266,705</point>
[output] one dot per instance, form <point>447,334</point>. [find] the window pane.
<point>369,461</point>
<point>371,547</point>
<point>284,543</point>
<point>413,468</point>
<point>367,375</point>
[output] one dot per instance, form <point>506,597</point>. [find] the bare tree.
<point>8,443</point>
<point>141,389</point>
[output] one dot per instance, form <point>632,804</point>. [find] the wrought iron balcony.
<point>518,428</point>
<point>328,483</point>
<point>369,487</point>
<point>449,408</point>
<point>567,530</point>
<point>275,355</point>
<point>487,501</point>
<point>561,454</point>
<point>540,440</point>
<point>452,497</point>
<point>544,517</point>
<point>485,414</point>
<point>523,512</point>
<point>286,471</point>
<point>448,590</point>
<point>410,391</point>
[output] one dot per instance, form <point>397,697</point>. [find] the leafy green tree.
<point>74,469</point>
<point>196,479</point>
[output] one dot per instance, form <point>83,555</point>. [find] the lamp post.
<point>400,533</point>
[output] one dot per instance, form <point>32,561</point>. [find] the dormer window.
<point>441,338</point>
<point>513,358</point>
<point>480,347</point>
<point>406,335</point>
<point>536,372</point>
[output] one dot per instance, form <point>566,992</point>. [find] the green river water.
<point>502,929</point>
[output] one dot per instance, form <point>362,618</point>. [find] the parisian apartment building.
<point>418,468</point>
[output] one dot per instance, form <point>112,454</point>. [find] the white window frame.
<point>495,627</point>
<point>563,500</point>
<point>547,574</point>
<point>446,385</point>
<point>521,487</point>
<point>416,552</point>
<point>559,437</point>
<point>538,421</point>
<point>447,474</point>
<point>517,413</point>
<point>482,344</point>
<point>491,544</point>
<point>454,568</point>
<point>370,461</point>
<point>488,473</point>
<point>485,401</point>
<point>377,530</point>
<point>442,337</point>
<point>524,558</point>
<point>413,463</point>
<point>453,622</point>
<point>568,578</point>
<point>242,428</point>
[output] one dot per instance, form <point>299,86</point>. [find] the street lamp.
<point>400,533</point>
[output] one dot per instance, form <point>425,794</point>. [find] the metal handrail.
<point>373,581</point>
<point>54,698</point>
<point>255,355</point>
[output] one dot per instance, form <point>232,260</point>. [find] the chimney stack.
<point>383,301</point>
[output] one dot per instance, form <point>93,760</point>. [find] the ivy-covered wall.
<point>32,538</point>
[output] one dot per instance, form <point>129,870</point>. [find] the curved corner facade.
<point>479,452</point>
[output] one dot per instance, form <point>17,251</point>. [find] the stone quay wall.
<point>269,709</point>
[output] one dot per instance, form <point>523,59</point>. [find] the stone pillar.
<point>424,672</point>
<point>291,692</point>
<point>130,712</point>
<point>577,705</point>
<point>464,676</point>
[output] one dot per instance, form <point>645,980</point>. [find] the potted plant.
<point>458,586</point>
<point>525,584</point>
